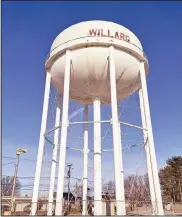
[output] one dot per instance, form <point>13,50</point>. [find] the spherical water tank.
<point>89,44</point>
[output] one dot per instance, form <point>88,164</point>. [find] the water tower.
<point>96,63</point>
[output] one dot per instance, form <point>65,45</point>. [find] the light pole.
<point>18,152</point>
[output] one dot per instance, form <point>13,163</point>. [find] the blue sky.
<point>29,28</point>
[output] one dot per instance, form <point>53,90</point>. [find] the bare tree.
<point>137,188</point>
<point>109,188</point>
<point>7,185</point>
<point>78,190</point>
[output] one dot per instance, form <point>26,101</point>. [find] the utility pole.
<point>18,152</point>
<point>69,176</point>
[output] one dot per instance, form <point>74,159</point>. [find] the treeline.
<point>137,186</point>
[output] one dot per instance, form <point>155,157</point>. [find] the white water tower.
<point>97,63</point>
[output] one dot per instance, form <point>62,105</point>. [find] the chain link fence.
<point>74,207</point>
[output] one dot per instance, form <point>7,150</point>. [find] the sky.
<point>28,30</point>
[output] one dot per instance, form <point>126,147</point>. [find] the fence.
<point>145,208</point>
<point>74,207</point>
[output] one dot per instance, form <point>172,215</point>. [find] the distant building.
<point>23,204</point>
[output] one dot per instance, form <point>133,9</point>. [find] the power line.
<point>25,159</point>
<point>8,163</point>
<point>43,178</point>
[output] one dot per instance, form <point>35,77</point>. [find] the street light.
<point>18,152</point>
